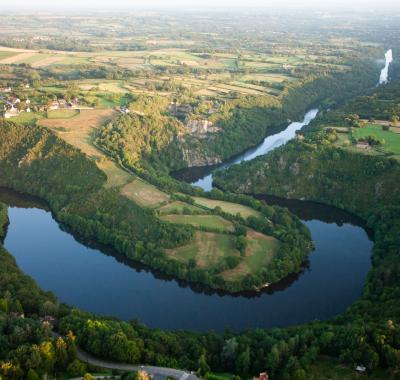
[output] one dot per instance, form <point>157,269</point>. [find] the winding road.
<point>155,372</point>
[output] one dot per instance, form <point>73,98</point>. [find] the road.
<point>156,372</point>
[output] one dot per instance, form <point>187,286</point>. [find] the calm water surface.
<point>97,281</point>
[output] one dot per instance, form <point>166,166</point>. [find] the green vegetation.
<point>365,184</point>
<point>228,207</point>
<point>3,221</point>
<point>387,139</point>
<point>197,99</point>
<point>213,222</point>
<point>35,161</point>
<point>62,114</point>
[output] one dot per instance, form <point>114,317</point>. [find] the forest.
<point>35,161</point>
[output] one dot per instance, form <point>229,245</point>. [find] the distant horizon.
<point>209,5</point>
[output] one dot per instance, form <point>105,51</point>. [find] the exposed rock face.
<point>201,127</point>
<point>196,157</point>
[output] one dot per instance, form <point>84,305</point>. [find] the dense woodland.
<point>314,168</point>
<point>367,333</point>
<point>35,161</point>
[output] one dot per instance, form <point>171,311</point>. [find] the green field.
<point>6,54</point>
<point>62,114</point>
<point>390,141</point>
<point>207,249</point>
<point>260,251</point>
<point>28,117</point>
<point>328,368</point>
<point>206,221</point>
<point>228,207</point>
<point>179,207</point>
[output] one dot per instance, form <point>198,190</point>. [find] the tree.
<point>203,365</point>
<point>243,362</point>
<point>299,374</point>
<point>32,375</point>
<point>76,368</point>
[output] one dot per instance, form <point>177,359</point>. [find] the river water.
<point>384,77</point>
<point>96,279</point>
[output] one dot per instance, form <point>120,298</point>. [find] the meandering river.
<point>97,280</point>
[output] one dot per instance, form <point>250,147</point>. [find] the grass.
<point>390,141</point>
<point>178,207</point>
<point>144,194</point>
<point>207,249</point>
<point>228,207</point>
<point>6,54</point>
<point>260,251</point>
<point>116,177</point>
<point>62,114</point>
<point>328,368</point>
<point>78,131</point>
<point>27,117</point>
<point>206,221</point>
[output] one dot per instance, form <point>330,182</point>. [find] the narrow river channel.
<point>97,280</point>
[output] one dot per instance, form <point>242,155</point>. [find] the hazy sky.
<point>209,4</point>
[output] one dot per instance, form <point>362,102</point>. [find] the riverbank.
<point>265,244</point>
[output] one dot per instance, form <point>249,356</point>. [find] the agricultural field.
<point>206,221</point>
<point>77,128</point>
<point>144,194</point>
<point>389,140</point>
<point>386,135</point>
<point>207,250</point>
<point>179,207</point>
<point>259,253</point>
<point>228,207</point>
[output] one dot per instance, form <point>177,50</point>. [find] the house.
<point>361,369</point>
<point>263,376</point>
<point>54,105</point>
<point>124,110</point>
<point>49,320</point>
<point>363,145</point>
<point>74,103</point>
<point>11,112</point>
<point>62,103</point>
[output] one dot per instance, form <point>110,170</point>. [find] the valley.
<point>176,195</point>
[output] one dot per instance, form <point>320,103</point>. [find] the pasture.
<point>260,251</point>
<point>179,207</point>
<point>144,194</point>
<point>389,140</point>
<point>206,221</point>
<point>228,207</point>
<point>207,249</point>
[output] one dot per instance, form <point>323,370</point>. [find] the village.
<point>13,106</point>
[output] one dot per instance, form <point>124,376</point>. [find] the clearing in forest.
<point>259,253</point>
<point>144,194</point>
<point>229,207</point>
<point>207,249</point>
<point>206,221</point>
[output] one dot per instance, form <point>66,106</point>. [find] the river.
<point>384,77</point>
<point>100,281</point>
<point>96,279</point>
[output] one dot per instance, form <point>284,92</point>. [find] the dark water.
<point>98,281</point>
